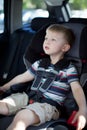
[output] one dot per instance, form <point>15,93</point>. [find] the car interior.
<point>21,45</point>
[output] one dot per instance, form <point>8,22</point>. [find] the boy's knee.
<point>4,108</point>
<point>19,115</point>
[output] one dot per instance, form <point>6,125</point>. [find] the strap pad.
<point>49,77</point>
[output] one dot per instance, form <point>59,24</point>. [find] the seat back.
<point>78,53</point>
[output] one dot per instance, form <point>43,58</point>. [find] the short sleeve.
<point>34,67</point>
<point>72,74</point>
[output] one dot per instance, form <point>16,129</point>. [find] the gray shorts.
<point>45,111</point>
<point>15,102</point>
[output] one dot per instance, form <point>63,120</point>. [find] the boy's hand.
<point>81,122</point>
<point>80,117</point>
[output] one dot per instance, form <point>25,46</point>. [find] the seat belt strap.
<point>49,80</point>
<point>37,80</point>
<point>43,86</point>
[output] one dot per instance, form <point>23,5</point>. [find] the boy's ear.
<point>66,47</point>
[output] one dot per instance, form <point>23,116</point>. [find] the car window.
<point>32,9</point>
<point>78,8</point>
<point>1,16</point>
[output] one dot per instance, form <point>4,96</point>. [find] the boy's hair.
<point>68,33</point>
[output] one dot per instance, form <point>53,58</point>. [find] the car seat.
<point>77,54</point>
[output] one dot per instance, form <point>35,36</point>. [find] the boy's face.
<point>55,43</point>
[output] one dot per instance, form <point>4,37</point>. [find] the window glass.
<point>32,9</point>
<point>78,8</point>
<point>1,16</point>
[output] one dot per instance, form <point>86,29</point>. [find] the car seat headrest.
<point>79,47</point>
<point>35,49</point>
<point>39,22</point>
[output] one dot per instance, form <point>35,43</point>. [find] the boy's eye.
<point>53,39</point>
<point>50,39</point>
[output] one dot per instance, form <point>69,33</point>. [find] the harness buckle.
<point>31,101</point>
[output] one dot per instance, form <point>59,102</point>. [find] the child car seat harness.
<point>38,87</point>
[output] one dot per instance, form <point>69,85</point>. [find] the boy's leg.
<point>3,108</point>
<point>13,103</point>
<point>23,119</point>
<point>36,113</point>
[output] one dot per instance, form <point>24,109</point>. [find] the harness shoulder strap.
<point>41,73</point>
<point>44,79</point>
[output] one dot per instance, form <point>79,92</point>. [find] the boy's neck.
<point>54,60</point>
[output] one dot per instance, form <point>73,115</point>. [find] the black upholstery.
<point>5,121</point>
<point>38,23</point>
<point>78,20</point>
<point>79,48</point>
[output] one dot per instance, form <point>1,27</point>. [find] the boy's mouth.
<point>46,47</point>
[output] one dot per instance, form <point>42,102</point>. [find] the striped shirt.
<point>60,87</point>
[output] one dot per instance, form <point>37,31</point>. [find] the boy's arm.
<point>81,101</point>
<point>22,78</point>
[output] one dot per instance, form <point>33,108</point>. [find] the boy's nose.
<point>48,42</point>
